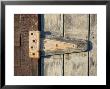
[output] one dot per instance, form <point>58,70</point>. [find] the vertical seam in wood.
<point>63,36</point>
<point>20,39</point>
<point>88,43</point>
<point>41,27</point>
<point>39,60</point>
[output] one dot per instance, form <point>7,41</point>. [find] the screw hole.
<point>31,33</point>
<point>31,47</point>
<point>56,45</point>
<point>33,40</point>
<point>33,53</point>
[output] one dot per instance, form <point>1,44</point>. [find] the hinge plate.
<point>34,44</point>
<point>52,46</point>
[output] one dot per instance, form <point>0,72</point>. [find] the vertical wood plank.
<point>76,26</point>
<point>17,48</point>
<point>53,65</point>
<point>28,66</point>
<point>17,30</point>
<point>93,52</point>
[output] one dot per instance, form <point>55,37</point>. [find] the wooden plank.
<point>17,56</point>
<point>93,52</point>
<point>76,26</point>
<point>17,30</point>
<point>28,67</point>
<point>29,23</point>
<point>53,65</point>
<point>53,24</point>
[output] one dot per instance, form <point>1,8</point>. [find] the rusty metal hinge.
<point>54,45</point>
<point>34,44</point>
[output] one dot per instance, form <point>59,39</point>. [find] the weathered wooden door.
<point>80,26</point>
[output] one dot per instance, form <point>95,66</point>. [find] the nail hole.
<point>56,45</point>
<point>31,47</point>
<point>33,53</point>
<point>31,33</point>
<point>33,40</point>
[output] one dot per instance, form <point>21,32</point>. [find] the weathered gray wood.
<point>53,65</point>
<point>93,39</point>
<point>53,24</point>
<point>75,64</point>
<point>76,26</point>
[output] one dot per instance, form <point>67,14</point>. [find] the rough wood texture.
<point>75,64</point>
<point>80,26</point>
<point>76,26</point>
<point>53,23</point>
<point>53,65</point>
<point>17,20</point>
<point>93,52</point>
<point>24,66</point>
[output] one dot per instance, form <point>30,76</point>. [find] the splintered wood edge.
<point>34,44</point>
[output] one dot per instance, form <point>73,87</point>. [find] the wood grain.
<point>17,19</point>
<point>53,65</point>
<point>28,67</point>
<point>79,26</point>
<point>93,52</point>
<point>76,26</point>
